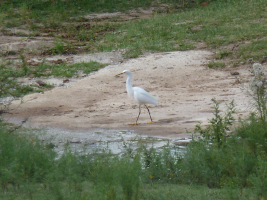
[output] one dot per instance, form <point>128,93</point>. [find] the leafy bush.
<point>216,131</point>
<point>163,166</point>
<point>23,159</point>
<point>253,132</point>
<point>259,177</point>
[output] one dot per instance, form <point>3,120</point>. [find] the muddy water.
<point>113,141</point>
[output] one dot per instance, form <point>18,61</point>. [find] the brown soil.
<point>181,81</point>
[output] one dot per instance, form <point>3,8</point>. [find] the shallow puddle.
<point>114,141</point>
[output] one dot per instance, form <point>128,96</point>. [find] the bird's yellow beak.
<point>119,74</point>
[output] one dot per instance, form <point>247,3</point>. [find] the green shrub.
<point>258,178</point>
<point>216,131</point>
<point>22,158</point>
<point>227,166</point>
<point>161,166</point>
<point>128,174</point>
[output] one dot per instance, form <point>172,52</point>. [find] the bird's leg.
<point>149,115</point>
<point>137,117</point>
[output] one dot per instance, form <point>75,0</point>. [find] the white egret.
<point>139,94</point>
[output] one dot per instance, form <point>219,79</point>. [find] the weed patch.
<point>9,74</point>
<point>64,70</point>
<point>216,64</point>
<point>31,170</point>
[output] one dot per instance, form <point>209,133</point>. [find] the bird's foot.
<point>135,123</point>
<point>150,122</point>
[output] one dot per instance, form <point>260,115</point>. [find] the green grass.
<point>40,9</point>
<point>218,24</point>
<point>256,50</point>
<point>174,191</point>
<point>156,191</point>
<point>9,85</point>
<point>8,82</point>
<point>223,54</point>
<point>216,64</point>
<point>64,70</point>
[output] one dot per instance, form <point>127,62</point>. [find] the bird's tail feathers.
<point>155,99</point>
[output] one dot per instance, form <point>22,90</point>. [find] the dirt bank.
<point>181,81</point>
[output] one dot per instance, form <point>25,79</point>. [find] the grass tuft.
<point>218,64</point>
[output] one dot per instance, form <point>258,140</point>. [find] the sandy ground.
<point>181,81</point>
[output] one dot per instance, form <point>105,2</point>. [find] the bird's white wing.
<point>143,97</point>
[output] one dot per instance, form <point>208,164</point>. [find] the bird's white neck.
<point>129,86</point>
